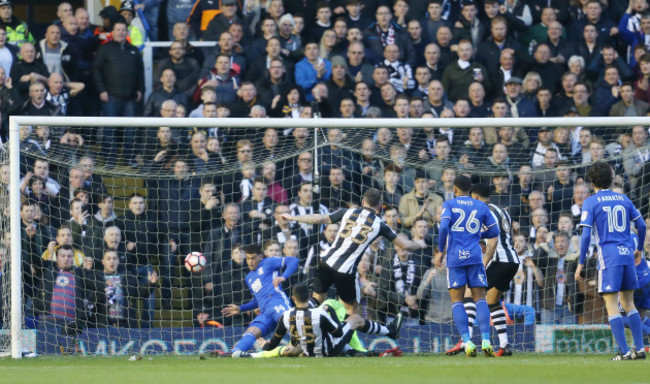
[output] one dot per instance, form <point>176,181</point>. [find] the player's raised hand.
<point>231,310</point>
<point>278,280</point>
<point>579,273</point>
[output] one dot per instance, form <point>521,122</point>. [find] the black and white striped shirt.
<point>505,252</point>
<point>359,227</point>
<point>301,210</point>
<point>311,328</point>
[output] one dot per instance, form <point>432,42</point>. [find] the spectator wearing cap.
<point>109,15</point>
<point>289,41</point>
<point>312,69</point>
<point>518,106</point>
<point>384,31</point>
<point>17,31</point>
<point>222,21</point>
<point>340,84</point>
<point>420,202</point>
<point>460,74</point>
<point>135,35</point>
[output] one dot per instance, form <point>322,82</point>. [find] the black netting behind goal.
<point>106,226</point>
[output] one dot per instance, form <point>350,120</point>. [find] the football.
<point>195,262</point>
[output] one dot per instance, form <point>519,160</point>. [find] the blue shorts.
<point>471,275</point>
<point>617,279</point>
<point>642,297</point>
<point>268,320</point>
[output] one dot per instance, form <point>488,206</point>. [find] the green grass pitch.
<point>519,369</point>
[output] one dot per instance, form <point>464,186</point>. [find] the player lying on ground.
<point>500,271</point>
<point>610,213</point>
<point>314,332</point>
<point>461,221</point>
<point>265,283</point>
<point>359,227</point>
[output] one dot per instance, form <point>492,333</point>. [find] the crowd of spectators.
<point>220,189</point>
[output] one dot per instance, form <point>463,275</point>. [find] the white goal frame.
<point>14,158</point>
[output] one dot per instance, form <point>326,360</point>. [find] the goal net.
<point>107,209</point>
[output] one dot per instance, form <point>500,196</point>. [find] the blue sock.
<point>460,319</point>
<point>246,342</point>
<point>616,323</point>
<point>635,327</point>
<point>646,321</point>
<point>483,316</point>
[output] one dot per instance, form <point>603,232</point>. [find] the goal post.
<point>356,131</point>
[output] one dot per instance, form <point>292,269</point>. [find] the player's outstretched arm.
<point>308,219</point>
<point>405,243</point>
<point>233,309</point>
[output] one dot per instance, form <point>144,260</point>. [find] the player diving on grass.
<point>461,221</point>
<point>609,214</point>
<point>314,332</point>
<point>359,227</point>
<point>264,281</point>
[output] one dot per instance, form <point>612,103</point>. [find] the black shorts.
<point>499,275</point>
<point>347,286</point>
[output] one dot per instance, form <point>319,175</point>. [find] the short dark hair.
<point>301,292</point>
<point>252,249</point>
<point>65,247</point>
<point>601,174</point>
<point>372,197</point>
<point>463,183</point>
<point>564,234</point>
<point>259,179</point>
<point>481,189</point>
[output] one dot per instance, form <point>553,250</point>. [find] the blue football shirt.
<point>466,218</point>
<point>609,214</point>
<point>260,283</point>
